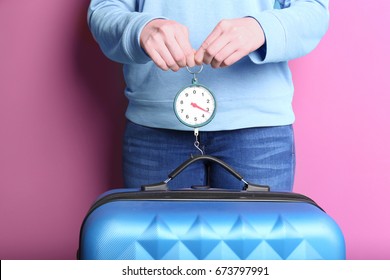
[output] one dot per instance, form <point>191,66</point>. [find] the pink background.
<point>62,117</point>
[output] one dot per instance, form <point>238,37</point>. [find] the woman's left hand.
<point>230,40</point>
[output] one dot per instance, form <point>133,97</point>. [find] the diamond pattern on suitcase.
<point>223,230</point>
<point>242,242</point>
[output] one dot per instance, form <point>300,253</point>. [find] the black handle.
<point>193,159</point>
<point>163,185</point>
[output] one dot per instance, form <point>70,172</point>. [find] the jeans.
<point>264,156</point>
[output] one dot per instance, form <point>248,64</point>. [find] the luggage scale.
<point>195,105</point>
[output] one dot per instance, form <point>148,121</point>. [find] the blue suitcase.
<point>200,223</point>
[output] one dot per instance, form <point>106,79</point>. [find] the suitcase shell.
<point>208,224</point>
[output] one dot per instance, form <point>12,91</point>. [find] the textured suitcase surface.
<point>212,225</point>
<point>155,223</point>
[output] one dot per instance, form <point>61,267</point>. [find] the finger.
<point>214,35</point>
<point>156,58</point>
<point>189,54</point>
<point>191,60</point>
<point>236,49</point>
<point>177,43</point>
<point>224,53</point>
<point>169,49</point>
<point>183,53</point>
<point>230,60</point>
<point>219,49</point>
<point>164,48</point>
<point>176,52</point>
<point>167,58</point>
<point>158,52</point>
<point>201,52</point>
<point>182,39</point>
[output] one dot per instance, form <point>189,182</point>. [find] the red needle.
<point>197,106</point>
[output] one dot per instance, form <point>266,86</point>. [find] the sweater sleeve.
<point>291,31</point>
<point>116,26</point>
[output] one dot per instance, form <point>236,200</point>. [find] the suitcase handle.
<point>184,165</point>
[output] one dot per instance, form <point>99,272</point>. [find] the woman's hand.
<point>167,44</point>
<point>230,40</point>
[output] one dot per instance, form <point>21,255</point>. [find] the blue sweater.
<point>255,91</point>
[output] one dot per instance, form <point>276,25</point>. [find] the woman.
<point>244,47</point>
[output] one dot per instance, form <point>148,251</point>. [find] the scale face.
<point>195,105</point>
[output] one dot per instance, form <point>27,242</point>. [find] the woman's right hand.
<point>167,44</point>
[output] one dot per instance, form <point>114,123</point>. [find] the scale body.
<point>195,105</point>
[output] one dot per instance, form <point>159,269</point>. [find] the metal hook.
<point>195,72</point>
<point>194,79</point>
<point>196,143</point>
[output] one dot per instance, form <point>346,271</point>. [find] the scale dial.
<point>195,105</point>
